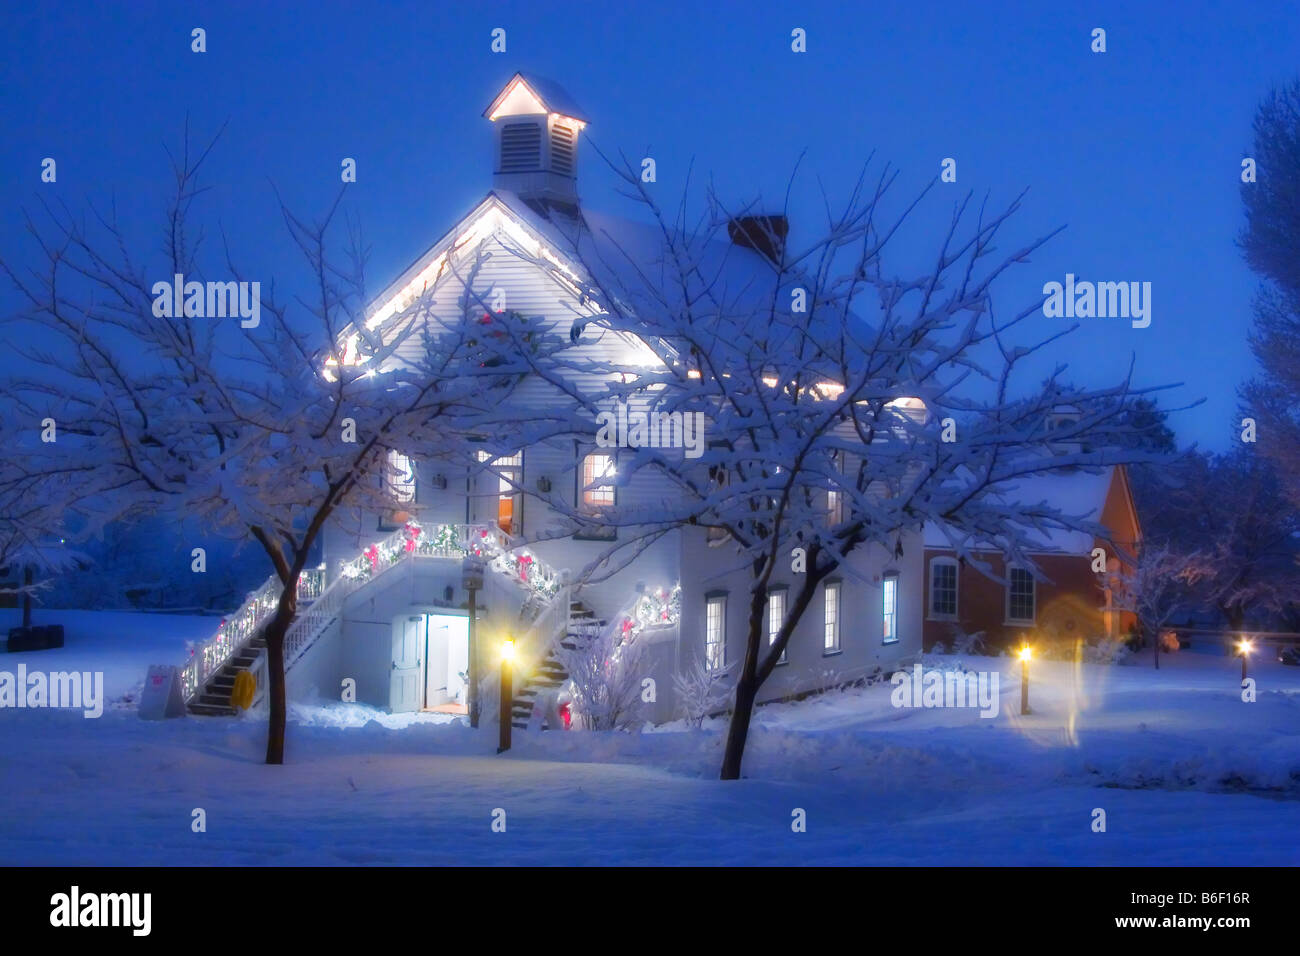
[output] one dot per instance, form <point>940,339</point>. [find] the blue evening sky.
<point>1137,151</point>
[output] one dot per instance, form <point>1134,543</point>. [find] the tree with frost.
<point>1233,511</point>
<point>829,389</point>
<point>32,525</point>
<point>702,690</point>
<point>605,673</point>
<point>1270,242</point>
<point>1157,586</point>
<point>262,424</point>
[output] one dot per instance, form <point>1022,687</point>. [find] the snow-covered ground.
<point>1185,771</point>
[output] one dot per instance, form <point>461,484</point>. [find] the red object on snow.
<point>565,715</point>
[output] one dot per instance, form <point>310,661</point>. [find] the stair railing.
<point>541,635</point>
<point>234,632</point>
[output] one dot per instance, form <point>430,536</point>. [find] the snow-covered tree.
<point>829,388</point>
<point>1156,587</point>
<point>702,690</point>
<point>1271,244</point>
<point>1231,510</point>
<point>605,675</point>
<point>262,425</point>
<point>33,549</point>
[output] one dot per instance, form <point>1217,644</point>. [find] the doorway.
<point>430,667</point>
<point>446,684</point>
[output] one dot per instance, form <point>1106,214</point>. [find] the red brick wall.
<point>1067,606</point>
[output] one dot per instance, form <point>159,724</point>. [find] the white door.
<point>435,691</point>
<point>405,692</point>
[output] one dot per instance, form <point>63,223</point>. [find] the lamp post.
<point>1025,654</point>
<point>472,579</point>
<point>1245,648</point>
<point>507,693</point>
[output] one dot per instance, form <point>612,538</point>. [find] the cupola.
<point>537,140</point>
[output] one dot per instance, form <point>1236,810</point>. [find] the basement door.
<point>406,688</point>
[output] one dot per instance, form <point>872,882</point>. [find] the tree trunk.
<point>27,597</point>
<point>738,731</point>
<point>276,629</point>
<point>1155,645</point>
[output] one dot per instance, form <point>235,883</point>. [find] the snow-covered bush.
<point>1096,650</point>
<point>822,679</point>
<point>605,680</point>
<point>967,644</point>
<point>489,696</point>
<point>702,691</point>
<point>1107,650</point>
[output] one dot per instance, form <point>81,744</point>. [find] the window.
<point>400,483</point>
<point>831,605</point>
<point>401,477</point>
<point>834,497</point>
<point>596,467</point>
<point>510,469</point>
<point>715,631</point>
<point>889,607</point>
<point>776,617</point>
<point>1020,596</point>
<point>943,589</point>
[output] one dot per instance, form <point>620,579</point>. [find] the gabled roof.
<point>618,257</point>
<point>609,252</point>
<point>1079,493</point>
<point>549,95</point>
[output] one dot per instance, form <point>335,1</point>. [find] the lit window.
<point>889,608</point>
<point>510,476</point>
<point>1020,596</point>
<point>715,632</point>
<point>401,478</point>
<point>776,617</point>
<point>597,468</point>
<point>943,588</point>
<point>831,602</point>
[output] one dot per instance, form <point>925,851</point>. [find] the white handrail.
<point>236,631</point>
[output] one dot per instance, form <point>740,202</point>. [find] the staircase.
<point>213,700</point>
<point>550,674</point>
<point>208,677</point>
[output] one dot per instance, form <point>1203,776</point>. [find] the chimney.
<point>537,141</point>
<point>763,234</point>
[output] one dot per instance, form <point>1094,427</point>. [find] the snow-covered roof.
<point>625,260</point>
<point>622,254</point>
<point>546,94</point>
<point>1078,494</point>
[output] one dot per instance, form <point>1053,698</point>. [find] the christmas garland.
<point>659,608</point>
<point>443,540</point>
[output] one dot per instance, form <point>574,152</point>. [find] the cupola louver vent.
<point>521,148</point>
<point>562,150</point>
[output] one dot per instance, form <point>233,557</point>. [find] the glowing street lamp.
<point>1025,654</point>
<point>1244,647</point>
<point>507,693</point>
